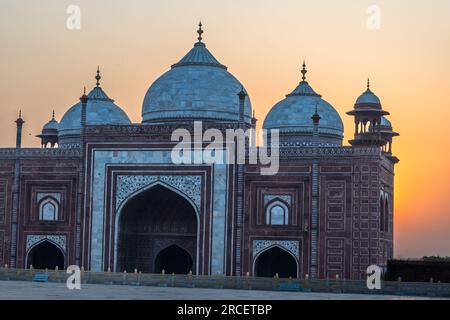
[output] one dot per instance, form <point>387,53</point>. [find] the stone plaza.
<point>19,290</point>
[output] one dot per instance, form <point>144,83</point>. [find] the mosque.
<point>102,192</point>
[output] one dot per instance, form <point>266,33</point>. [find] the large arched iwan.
<point>152,220</point>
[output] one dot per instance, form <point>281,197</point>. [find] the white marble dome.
<point>368,99</point>
<point>51,125</point>
<point>292,116</point>
<point>198,87</point>
<point>100,110</point>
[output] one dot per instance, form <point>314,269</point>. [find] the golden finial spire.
<point>98,76</point>
<point>304,71</point>
<point>368,83</point>
<point>200,32</point>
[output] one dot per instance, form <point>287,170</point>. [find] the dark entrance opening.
<point>275,261</point>
<point>173,260</point>
<point>46,256</point>
<point>150,221</point>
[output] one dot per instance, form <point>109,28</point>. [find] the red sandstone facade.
<point>349,237</point>
<point>110,197</point>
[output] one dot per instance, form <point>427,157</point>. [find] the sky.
<point>44,66</point>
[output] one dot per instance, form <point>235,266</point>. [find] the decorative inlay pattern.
<point>42,195</point>
<point>261,245</point>
<point>59,240</point>
<point>3,198</point>
<point>269,197</point>
<point>72,151</point>
<point>189,185</point>
<point>74,145</point>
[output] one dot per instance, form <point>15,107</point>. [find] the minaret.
<point>83,100</point>
<point>81,177</point>
<point>240,187</point>
<point>368,113</point>
<point>316,119</point>
<point>314,191</point>
<point>254,120</point>
<point>16,194</point>
<point>242,95</point>
<point>19,123</point>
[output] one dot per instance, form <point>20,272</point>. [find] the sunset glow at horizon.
<point>44,67</point>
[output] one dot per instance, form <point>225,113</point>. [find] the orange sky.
<point>44,66</point>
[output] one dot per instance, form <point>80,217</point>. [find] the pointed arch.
<point>49,209</point>
<point>382,214</point>
<point>277,213</point>
<point>282,262</point>
<point>45,254</point>
<point>173,259</point>
<point>151,186</point>
<point>386,214</point>
<point>169,224</point>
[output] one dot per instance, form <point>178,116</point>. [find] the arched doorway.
<point>152,220</point>
<point>276,260</point>
<point>173,260</point>
<point>45,255</point>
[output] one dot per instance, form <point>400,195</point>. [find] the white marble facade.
<point>134,159</point>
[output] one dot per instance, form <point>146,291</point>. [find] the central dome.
<point>198,87</point>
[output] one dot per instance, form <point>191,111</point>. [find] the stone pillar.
<point>240,189</point>
<point>14,213</point>
<point>242,95</point>
<point>81,177</point>
<point>19,123</point>
<point>314,197</point>
<point>16,195</point>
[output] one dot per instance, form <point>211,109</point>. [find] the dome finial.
<point>304,71</point>
<point>368,83</point>
<point>98,76</point>
<point>200,32</point>
<point>53,114</point>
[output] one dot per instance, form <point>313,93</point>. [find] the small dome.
<point>386,127</point>
<point>385,122</point>
<point>51,125</point>
<point>198,87</point>
<point>100,110</point>
<point>292,116</point>
<point>368,98</point>
<point>49,133</point>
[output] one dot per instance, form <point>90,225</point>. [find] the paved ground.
<point>58,291</point>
